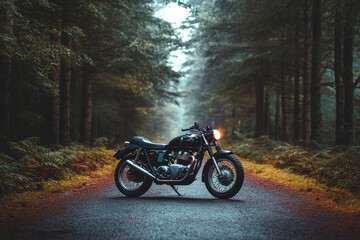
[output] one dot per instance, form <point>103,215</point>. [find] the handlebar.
<point>196,126</point>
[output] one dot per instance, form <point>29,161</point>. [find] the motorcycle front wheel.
<point>229,183</point>
<point>130,182</point>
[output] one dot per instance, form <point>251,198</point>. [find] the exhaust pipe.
<point>160,181</point>
<point>140,169</point>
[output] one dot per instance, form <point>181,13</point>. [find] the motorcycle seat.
<point>146,143</point>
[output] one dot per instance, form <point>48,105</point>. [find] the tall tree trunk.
<point>277,115</point>
<point>86,115</point>
<point>296,81</point>
<point>338,69</point>
<point>5,73</point>
<point>259,107</point>
<point>267,113</point>
<point>285,109</point>
<point>55,107</point>
<point>55,76</point>
<point>307,75</point>
<point>349,22</point>
<point>65,84</point>
<point>284,95</point>
<point>65,96</point>
<point>316,115</point>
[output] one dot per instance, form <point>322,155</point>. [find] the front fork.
<point>211,153</point>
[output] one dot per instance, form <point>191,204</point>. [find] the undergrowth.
<point>337,198</point>
<point>27,166</point>
<point>337,166</point>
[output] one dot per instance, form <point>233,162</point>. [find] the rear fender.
<point>209,161</point>
<point>123,152</point>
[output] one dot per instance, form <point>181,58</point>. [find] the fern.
<point>335,166</point>
<point>27,164</point>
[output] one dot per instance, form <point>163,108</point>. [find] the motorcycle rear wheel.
<point>130,182</point>
<point>233,179</point>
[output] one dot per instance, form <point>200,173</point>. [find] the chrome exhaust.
<point>140,169</point>
<point>160,181</point>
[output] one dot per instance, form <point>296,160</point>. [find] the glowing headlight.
<point>216,134</point>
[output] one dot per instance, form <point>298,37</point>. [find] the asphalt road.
<point>260,210</point>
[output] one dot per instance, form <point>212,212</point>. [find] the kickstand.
<point>176,190</point>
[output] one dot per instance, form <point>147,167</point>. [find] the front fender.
<point>222,152</point>
<point>209,161</point>
<point>123,152</point>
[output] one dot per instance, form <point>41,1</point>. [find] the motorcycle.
<point>178,163</point>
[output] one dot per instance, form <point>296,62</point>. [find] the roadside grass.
<point>56,186</point>
<point>28,170</point>
<point>337,198</point>
<point>334,171</point>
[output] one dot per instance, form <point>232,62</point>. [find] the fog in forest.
<point>75,72</point>
<point>278,79</point>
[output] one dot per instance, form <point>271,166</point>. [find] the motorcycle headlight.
<point>216,134</point>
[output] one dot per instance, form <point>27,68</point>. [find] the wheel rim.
<point>221,185</point>
<point>125,179</point>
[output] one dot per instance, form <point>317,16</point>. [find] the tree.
<point>65,79</point>
<point>297,76</point>
<point>307,75</point>
<point>349,19</point>
<point>87,111</point>
<point>284,93</point>
<point>316,115</point>
<point>259,107</point>
<point>338,71</point>
<point>55,73</point>
<point>118,47</point>
<point>232,55</point>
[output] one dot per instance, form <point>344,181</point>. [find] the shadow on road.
<point>175,199</point>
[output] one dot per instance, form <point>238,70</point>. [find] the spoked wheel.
<point>130,182</point>
<point>229,183</point>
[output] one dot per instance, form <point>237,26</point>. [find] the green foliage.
<point>239,42</point>
<point>120,42</point>
<point>25,164</point>
<point>337,166</point>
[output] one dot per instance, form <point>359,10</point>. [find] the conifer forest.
<point>83,74</point>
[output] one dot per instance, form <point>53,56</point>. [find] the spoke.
<point>124,180</point>
<point>214,180</point>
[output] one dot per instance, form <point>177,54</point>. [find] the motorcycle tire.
<point>233,169</point>
<point>121,177</point>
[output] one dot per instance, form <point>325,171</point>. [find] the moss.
<point>338,198</point>
<point>335,166</point>
<point>26,165</point>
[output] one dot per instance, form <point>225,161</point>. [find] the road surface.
<point>261,210</point>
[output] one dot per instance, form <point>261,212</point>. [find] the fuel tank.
<point>187,141</point>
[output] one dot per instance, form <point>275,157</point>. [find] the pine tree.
<point>316,115</point>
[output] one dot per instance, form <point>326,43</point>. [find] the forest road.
<point>261,210</point>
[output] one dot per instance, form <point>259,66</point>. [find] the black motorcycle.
<point>177,163</point>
